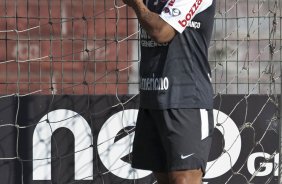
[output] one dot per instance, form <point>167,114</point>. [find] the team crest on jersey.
<point>173,12</point>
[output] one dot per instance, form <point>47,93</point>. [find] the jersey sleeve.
<point>179,13</point>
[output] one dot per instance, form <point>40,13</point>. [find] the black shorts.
<point>172,139</point>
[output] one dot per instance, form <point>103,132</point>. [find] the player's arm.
<point>159,30</point>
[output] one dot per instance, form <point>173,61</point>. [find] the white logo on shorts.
<point>186,156</point>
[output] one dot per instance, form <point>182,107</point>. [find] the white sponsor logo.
<point>194,24</point>
<point>265,167</point>
<point>154,83</point>
<point>111,151</point>
<point>190,14</point>
<point>71,120</point>
<point>186,156</point>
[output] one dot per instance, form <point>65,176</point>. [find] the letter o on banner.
<point>232,138</point>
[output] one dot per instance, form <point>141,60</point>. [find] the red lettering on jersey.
<point>171,3</point>
<point>191,13</point>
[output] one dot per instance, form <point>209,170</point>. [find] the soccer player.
<point>175,119</point>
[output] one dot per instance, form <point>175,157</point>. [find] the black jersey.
<point>177,74</point>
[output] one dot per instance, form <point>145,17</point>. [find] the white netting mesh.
<point>90,47</point>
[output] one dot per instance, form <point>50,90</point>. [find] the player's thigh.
<point>185,177</point>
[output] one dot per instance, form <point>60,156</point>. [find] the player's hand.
<point>132,3</point>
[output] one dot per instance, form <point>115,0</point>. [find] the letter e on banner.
<point>111,152</point>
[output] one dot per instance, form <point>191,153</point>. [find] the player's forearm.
<point>154,25</point>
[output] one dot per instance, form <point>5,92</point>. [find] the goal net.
<point>80,58</point>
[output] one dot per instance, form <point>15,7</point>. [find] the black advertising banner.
<point>88,139</point>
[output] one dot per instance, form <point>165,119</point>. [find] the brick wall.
<point>68,46</point>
